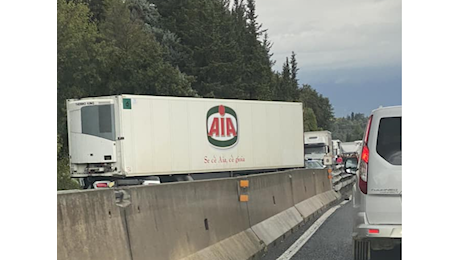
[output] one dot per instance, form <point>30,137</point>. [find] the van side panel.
<point>384,198</point>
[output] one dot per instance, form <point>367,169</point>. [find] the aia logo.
<point>222,126</point>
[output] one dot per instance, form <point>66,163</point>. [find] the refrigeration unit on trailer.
<point>132,139</point>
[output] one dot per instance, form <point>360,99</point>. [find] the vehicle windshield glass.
<point>313,165</point>
<point>315,149</point>
<point>389,140</point>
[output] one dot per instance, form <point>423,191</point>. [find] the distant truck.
<point>133,139</point>
<point>337,146</point>
<point>351,147</point>
<point>318,146</point>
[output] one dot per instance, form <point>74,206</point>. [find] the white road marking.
<point>288,254</point>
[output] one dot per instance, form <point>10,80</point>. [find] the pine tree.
<point>320,105</point>
<point>309,120</point>
<point>258,67</point>
<point>79,57</point>
<point>137,65</point>
<point>294,70</point>
<point>287,88</point>
<point>285,82</point>
<point>294,90</point>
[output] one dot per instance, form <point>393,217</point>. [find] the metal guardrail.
<point>340,178</point>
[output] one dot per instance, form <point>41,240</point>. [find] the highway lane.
<point>328,238</point>
<point>332,240</point>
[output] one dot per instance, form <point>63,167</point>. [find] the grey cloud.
<point>329,34</point>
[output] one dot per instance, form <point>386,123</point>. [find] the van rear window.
<point>389,140</point>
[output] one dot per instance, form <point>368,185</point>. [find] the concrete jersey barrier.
<point>208,219</point>
<point>90,226</point>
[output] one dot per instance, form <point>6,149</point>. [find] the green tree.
<point>221,45</point>
<point>78,58</point>
<point>309,120</point>
<point>286,83</point>
<point>119,54</point>
<point>294,70</point>
<point>64,182</point>
<point>349,128</point>
<point>149,15</point>
<point>258,66</point>
<point>96,8</point>
<point>320,106</point>
<point>136,62</point>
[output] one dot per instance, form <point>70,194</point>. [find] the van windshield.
<point>389,140</point>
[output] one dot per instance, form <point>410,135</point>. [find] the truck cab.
<point>318,146</point>
<point>337,145</point>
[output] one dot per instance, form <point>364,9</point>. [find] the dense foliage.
<point>350,128</point>
<point>195,48</point>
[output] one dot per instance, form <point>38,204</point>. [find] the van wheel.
<point>361,250</point>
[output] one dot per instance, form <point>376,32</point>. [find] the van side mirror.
<point>351,164</point>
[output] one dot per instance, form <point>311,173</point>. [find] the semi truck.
<point>337,145</point>
<point>351,147</point>
<point>137,139</point>
<point>318,146</point>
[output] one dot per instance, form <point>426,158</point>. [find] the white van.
<point>377,194</point>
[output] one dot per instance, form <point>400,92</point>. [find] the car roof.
<point>390,109</point>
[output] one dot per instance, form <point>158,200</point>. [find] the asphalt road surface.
<point>331,241</point>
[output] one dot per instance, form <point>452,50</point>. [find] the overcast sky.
<point>348,50</point>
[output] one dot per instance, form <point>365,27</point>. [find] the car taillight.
<point>365,154</point>
<point>373,231</point>
<point>102,185</point>
<point>363,166</point>
<point>363,170</point>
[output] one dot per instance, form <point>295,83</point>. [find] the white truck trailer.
<point>318,146</point>
<point>351,147</point>
<point>133,139</point>
<point>337,145</point>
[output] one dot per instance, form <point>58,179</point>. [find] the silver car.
<point>377,194</point>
